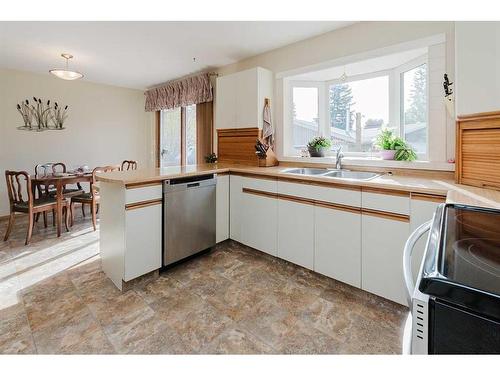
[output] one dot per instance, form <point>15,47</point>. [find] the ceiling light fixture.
<point>66,74</point>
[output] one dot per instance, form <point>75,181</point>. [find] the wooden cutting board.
<point>478,150</point>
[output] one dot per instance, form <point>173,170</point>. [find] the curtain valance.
<point>181,93</point>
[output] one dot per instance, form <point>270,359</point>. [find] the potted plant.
<point>317,146</point>
<point>394,148</point>
<point>384,142</point>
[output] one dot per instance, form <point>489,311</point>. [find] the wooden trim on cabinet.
<point>254,175</point>
<point>479,116</point>
<point>222,173</point>
<point>428,197</point>
<point>385,215</point>
<point>137,185</point>
<point>375,190</point>
<point>259,192</point>
<point>142,204</point>
<point>338,207</point>
<point>335,185</point>
<point>295,199</point>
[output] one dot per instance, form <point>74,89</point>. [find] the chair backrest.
<point>108,168</point>
<point>129,165</point>
<point>43,169</point>
<point>59,167</point>
<point>15,182</point>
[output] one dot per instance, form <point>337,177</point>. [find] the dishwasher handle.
<point>188,183</point>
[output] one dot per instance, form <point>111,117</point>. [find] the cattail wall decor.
<point>41,115</point>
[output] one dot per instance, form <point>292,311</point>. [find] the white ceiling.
<point>144,54</point>
<point>372,65</point>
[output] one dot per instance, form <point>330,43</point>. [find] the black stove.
<point>461,276</point>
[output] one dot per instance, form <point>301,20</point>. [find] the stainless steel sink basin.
<point>336,173</point>
<point>307,171</point>
<point>352,175</point>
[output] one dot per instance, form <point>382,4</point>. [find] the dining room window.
<point>178,136</point>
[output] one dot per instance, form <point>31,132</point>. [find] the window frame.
<point>396,95</point>
<point>321,109</point>
<point>183,147</point>
<point>359,77</point>
<point>399,71</point>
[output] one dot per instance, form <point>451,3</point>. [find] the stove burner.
<point>483,253</point>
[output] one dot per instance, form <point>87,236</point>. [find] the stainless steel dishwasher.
<point>188,216</point>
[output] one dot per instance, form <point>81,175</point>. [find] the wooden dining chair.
<point>23,201</point>
<point>91,198</point>
<point>128,165</point>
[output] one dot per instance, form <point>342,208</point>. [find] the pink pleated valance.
<point>191,90</point>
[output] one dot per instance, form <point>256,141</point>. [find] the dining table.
<point>59,181</point>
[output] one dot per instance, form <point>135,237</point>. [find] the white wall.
<point>477,67</point>
<point>105,125</point>
<point>356,39</point>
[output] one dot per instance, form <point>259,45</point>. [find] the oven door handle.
<point>407,253</point>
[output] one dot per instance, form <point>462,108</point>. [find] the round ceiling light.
<point>66,74</point>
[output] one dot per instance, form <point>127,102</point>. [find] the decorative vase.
<point>313,152</point>
<point>387,154</point>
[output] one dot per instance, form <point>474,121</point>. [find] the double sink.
<point>332,173</point>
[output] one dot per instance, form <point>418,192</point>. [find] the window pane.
<point>191,134</point>
<point>170,121</point>
<point>414,108</point>
<point>305,115</point>
<point>358,110</point>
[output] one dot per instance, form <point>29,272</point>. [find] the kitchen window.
<point>353,108</point>
<point>178,136</point>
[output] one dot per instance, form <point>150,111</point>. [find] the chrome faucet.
<point>338,158</point>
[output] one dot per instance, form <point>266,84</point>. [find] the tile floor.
<point>54,298</point>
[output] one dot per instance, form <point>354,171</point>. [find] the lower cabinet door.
<point>143,241</point>
<point>259,222</point>
<point>235,185</point>
<point>296,232</point>
<point>337,244</point>
<point>222,209</point>
<point>383,240</point>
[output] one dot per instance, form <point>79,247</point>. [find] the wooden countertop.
<point>455,193</point>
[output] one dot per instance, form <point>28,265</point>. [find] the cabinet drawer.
<point>143,194</point>
<point>397,202</point>
<point>267,185</point>
<point>347,197</point>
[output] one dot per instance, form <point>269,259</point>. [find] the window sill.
<point>374,162</point>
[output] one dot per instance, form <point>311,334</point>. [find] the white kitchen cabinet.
<point>222,208</point>
<point>130,231</point>
<point>382,243</point>
<point>143,237</point>
<point>235,207</point>
<point>240,98</point>
<point>388,202</point>
<point>296,232</point>
<point>259,222</point>
<point>337,244</point>
<point>422,210</point>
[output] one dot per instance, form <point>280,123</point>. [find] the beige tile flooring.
<point>54,298</point>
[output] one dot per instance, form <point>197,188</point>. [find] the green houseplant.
<point>394,148</point>
<point>317,146</point>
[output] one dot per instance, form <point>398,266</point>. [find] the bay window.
<point>352,109</point>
